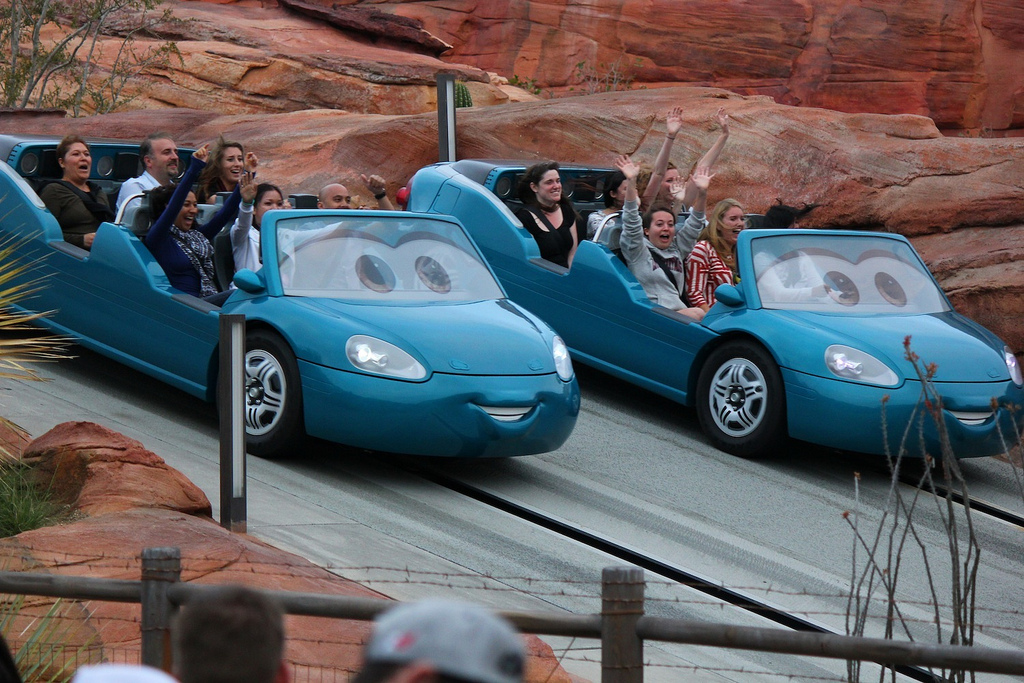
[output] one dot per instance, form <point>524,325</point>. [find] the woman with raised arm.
<point>180,245</point>
<point>652,246</point>
<point>224,171</point>
<point>245,233</point>
<point>548,214</point>
<point>664,173</point>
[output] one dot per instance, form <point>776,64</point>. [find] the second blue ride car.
<point>809,344</point>
<point>379,330</point>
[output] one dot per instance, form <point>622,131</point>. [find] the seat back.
<point>136,215</point>
<point>223,259</point>
<point>609,230</point>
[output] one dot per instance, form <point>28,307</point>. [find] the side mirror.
<point>248,281</point>
<point>730,295</point>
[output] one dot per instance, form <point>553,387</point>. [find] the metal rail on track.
<point>672,572</point>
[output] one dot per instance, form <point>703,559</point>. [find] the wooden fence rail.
<point>621,627</point>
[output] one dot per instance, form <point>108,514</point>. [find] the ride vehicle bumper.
<point>871,419</point>
<point>447,415</point>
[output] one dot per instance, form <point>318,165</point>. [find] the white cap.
<point>121,673</point>
<point>458,639</point>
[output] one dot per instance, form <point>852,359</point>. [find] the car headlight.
<point>381,358</point>
<point>850,363</point>
<point>1013,366</point>
<point>563,364</point>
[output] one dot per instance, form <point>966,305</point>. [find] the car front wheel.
<point>273,396</point>
<point>741,402</point>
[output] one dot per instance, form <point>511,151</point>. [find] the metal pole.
<point>161,567</point>
<point>446,117</point>
<point>622,605</point>
<point>231,397</point>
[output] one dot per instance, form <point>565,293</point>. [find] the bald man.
<point>337,196</point>
<point>334,196</point>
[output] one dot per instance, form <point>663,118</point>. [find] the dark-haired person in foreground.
<point>235,635</point>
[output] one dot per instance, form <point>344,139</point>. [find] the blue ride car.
<point>810,343</point>
<point>378,330</point>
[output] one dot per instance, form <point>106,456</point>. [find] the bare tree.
<point>879,555</point>
<point>62,71</point>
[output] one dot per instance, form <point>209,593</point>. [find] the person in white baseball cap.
<point>440,641</point>
<point>121,673</point>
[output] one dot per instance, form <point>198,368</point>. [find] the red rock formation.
<point>98,471</point>
<point>956,61</point>
<point>134,500</point>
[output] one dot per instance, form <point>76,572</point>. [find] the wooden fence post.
<point>622,605</point>
<point>160,568</point>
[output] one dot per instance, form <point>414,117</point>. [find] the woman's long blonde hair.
<point>711,233</point>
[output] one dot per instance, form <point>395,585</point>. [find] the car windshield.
<point>843,274</point>
<point>374,258</point>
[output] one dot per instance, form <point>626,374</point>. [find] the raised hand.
<point>722,119</point>
<point>203,153</point>
<point>674,121</point>
<point>678,189</point>
<point>247,187</point>
<point>629,169</point>
<point>251,162</point>
<point>701,178</point>
<point>374,183</point>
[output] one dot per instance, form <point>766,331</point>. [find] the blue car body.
<point>482,377</point>
<point>757,369</point>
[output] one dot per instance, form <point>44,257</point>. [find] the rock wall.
<point>956,61</point>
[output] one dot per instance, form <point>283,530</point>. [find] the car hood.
<point>961,350</point>
<point>493,337</point>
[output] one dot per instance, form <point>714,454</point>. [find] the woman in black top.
<point>548,214</point>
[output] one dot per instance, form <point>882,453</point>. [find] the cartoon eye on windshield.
<point>842,288</point>
<point>375,274</point>
<point>890,290</point>
<point>433,275</point>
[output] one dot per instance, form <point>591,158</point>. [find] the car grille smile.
<point>507,413</point>
<point>971,418</point>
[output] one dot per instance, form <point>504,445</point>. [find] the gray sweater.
<point>635,249</point>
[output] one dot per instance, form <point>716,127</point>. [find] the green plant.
<point>24,505</point>
<point>527,84</point>
<point>56,72</point>
<point>21,343</point>
<point>43,645</point>
<point>462,96</point>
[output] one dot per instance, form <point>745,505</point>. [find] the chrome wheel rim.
<point>265,389</point>
<point>738,397</point>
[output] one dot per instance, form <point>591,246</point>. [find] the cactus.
<point>462,96</point>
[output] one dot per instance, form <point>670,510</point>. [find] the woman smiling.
<point>179,243</point>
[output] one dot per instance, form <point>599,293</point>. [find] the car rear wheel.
<point>273,396</point>
<point>741,402</point>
